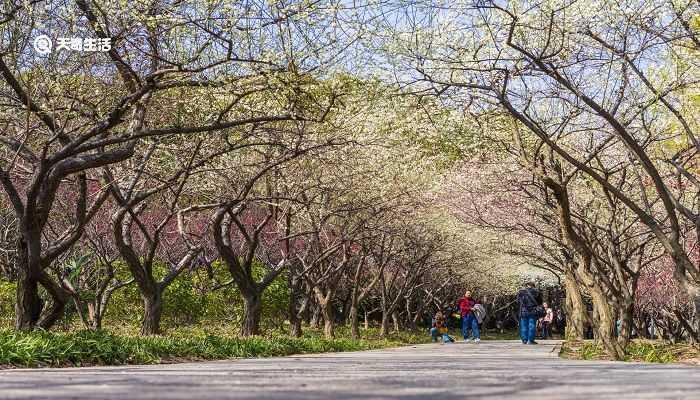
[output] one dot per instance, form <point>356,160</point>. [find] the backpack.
<point>479,312</point>
<point>538,309</point>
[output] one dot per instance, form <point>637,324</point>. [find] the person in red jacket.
<point>469,321</point>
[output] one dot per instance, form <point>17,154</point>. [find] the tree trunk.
<point>294,318</point>
<point>414,322</point>
<point>603,316</point>
<point>315,318</point>
<point>417,315</point>
<point>354,322</point>
<point>152,313</point>
<point>252,307</point>
<point>295,328</point>
<point>59,298</point>
<point>395,319</point>
<point>94,316</point>
<point>626,323</point>
<point>328,320</point>
<point>384,330</point>
<point>306,314</point>
<point>91,314</point>
<point>642,326</point>
<point>575,309</point>
<point>696,302</point>
<point>28,305</point>
<point>343,314</point>
<point>410,316</point>
<point>694,295</point>
<point>354,317</point>
<point>366,320</point>
<point>294,291</point>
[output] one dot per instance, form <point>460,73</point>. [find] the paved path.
<point>489,370</point>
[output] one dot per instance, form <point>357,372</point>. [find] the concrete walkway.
<point>489,370</point>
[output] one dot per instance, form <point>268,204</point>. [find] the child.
<point>440,328</point>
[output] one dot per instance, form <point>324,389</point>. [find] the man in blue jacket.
<point>529,299</point>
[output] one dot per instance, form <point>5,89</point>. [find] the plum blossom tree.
<point>181,68</point>
<point>585,80</point>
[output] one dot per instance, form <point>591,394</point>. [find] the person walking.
<point>469,321</point>
<point>529,300</point>
<point>546,321</point>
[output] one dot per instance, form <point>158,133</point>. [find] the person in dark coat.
<point>529,299</point>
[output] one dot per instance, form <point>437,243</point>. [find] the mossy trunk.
<point>575,309</point>
<point>605,324</point>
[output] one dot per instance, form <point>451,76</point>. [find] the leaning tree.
<point>67,114</point>
<point>584,78</point>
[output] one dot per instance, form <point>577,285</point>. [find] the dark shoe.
<point>533,342</point>
<point>524,342</point>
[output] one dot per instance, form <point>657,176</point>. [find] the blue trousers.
<point>469,322</point>
<point>528,327</point>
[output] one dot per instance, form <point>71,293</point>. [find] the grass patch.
<point>211,342</point>
<point>86,348</point>
<point>652,351</point>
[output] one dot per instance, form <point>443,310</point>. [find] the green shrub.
<point>650,352</point>
<point>37,349</point>
<point>7,303</point>
<point>637,350</point>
